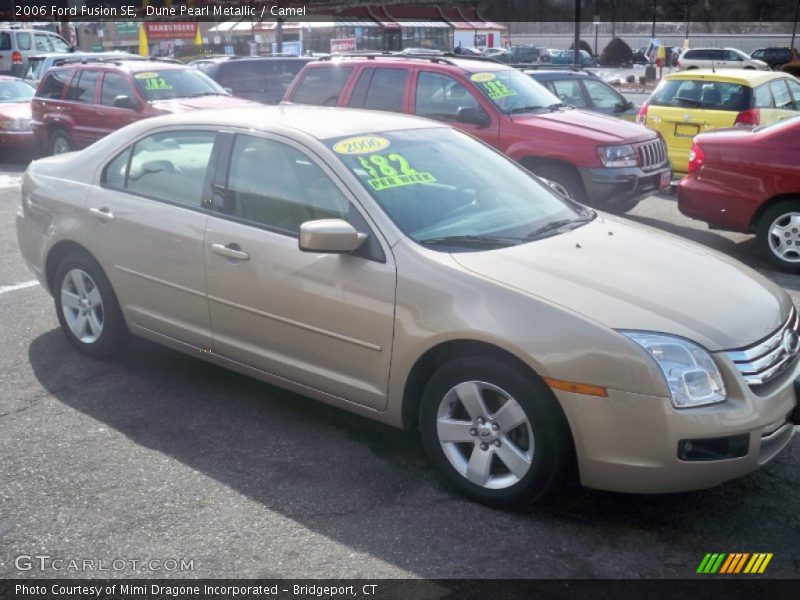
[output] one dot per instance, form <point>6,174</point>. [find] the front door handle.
<point>103,214</point>
<point>230,251</point>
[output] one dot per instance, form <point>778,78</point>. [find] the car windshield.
<point>15,91</point>
<point>513,92</point>
<point>165,84</point>
<point>688,93</point>
<point>447,191</point>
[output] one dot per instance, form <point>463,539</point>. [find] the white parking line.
<point>17,286</point>
<point>9,181</point>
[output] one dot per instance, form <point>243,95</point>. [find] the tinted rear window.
<point>5,41</point>
<point>322,86</point>
<point>716,95</point>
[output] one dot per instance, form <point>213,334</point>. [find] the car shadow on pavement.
<point>371,487</point>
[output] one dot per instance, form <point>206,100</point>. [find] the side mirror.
<point>126,102</point>
<point>329,236</point>
<point>473,116</point>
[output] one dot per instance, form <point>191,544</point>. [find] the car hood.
<point>628,276</point>
<point>177,105</point>
<point>601,128</point>
<point>15,110</point>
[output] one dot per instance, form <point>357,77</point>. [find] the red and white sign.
<point>170,31</point>
<point>343,45</point>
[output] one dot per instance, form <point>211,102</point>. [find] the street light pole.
<point>686,38</point>
<point>655,10</point>
<point>576,46</point>
<point>794,28</point>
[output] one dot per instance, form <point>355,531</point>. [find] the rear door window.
<point>794,88</point>
<point>781,94</point>
<point>570,93</point>
<point>385,89</point>
<point>762,97</point>
<point>322,86</point>
<point>83,87</point>
<point>43,42</point>
<point>53,85</point>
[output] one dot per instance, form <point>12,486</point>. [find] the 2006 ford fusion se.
<point>400,269</point>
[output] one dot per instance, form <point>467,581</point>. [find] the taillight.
<point>696,158</point>
<point>16,57</point>
<point>748,117</point>
<point>641,116</point>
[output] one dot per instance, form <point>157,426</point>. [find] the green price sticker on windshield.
<point>497,89</point>
<point>156,83</point>
<point>392,171</point>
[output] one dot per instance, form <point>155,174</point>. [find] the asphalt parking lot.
<point>158,456</point>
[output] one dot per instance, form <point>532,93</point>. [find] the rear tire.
<point>60,142</point>
<point>512,442</point>
<point>87,308</point>
<point>778,235</point>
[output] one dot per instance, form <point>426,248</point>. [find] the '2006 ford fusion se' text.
<point>400,269</point>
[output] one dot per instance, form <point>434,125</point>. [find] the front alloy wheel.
<point>485,434</point>
<point>495,432</point>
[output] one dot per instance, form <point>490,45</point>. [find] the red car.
<point>591,158</point>
<point>77,104</point>
<point>15,115</point>
<point>748,180</point>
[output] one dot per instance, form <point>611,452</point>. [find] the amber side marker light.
<point>576,388</point>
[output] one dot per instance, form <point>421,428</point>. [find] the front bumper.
<point>622,188</point>
<point>17,140</point>
<point>631,443</point>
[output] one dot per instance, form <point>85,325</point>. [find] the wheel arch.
<point>765,206</point>
<point>57,253</point>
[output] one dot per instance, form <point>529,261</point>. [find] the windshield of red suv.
<point>513,92</point>
<point>165,84</point>
<point>15,91</point>
<point>448,191</point>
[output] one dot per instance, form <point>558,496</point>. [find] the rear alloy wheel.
<point>60,142</point>
<point>495,434</point>
<point>779,235</point>
<point>87,308</point>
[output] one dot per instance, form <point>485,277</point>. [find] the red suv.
<point>77,104</point>
<point>590,158</point>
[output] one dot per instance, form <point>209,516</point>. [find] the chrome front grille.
<point>765,360</point>
<point>652,154</point>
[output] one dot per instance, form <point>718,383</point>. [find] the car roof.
<point>741,76</point>
<point>320,122</point>
<point>128,65</point>
<point>468,64</point>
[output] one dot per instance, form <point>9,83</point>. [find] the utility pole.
<point>576,46</point>
<point>655,10</point>
<point>686,37</point>
<point>794,27</point>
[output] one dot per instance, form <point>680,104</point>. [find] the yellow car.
<point>691,102</point>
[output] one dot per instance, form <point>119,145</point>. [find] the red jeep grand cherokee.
<point>77,104</point>
<point>591,158</point>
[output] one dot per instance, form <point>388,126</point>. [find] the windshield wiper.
<point>524,109</point>
<point>553,226</point>
<point>197,95</point>
<point>473,240</point>
<point>557,106</point>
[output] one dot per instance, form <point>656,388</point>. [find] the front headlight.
<point>618,156</point>
<point>16,124</point>
<point>692,375</point>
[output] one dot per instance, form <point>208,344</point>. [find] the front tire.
<point>60,142</point>
<point>495,434</point>
<point>87,308</point>
<point>778,235</point>
<point>562,181</point>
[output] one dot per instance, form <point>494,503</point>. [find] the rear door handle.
<point>230,251</point>
<point>103,214</point>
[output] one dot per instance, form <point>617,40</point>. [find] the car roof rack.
<point>573,68</point>
<point>444,58</point>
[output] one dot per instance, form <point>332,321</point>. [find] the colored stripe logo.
<point>735,563</point>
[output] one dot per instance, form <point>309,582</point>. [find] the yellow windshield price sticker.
<point>145,75</point>
<point>392,171</point>
<point>497,89</point>
<point>482,77</point>
<point>362,144</point>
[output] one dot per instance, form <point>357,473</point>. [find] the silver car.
<point>402,270</point>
